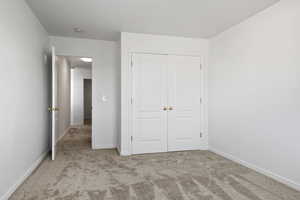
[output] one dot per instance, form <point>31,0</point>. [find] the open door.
<point>54,107</point>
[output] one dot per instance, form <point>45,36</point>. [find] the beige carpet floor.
<point>82,173</point>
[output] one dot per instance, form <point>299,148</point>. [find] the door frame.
<point>131,92</point>
<point>87,56</point>
<point>54,98</point>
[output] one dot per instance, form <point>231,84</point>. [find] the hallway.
<point>80,173</point>
<point>78,138</point>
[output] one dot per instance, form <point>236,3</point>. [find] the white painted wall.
<point>64,96</point>
<point>105,72</point>
<point>254,92</point>
<point>24,86</point>
<point>119,92</point>
<point>132,42</point>
<point>77,106</point>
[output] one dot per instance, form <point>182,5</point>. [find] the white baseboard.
<point>76,125</point>
<point>124,153</point>
<point>104,146</point>
<point>24,177</point>
<point>268,173</point>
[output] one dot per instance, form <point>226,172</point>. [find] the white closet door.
<point>149,99</point>
<point>184,93</point>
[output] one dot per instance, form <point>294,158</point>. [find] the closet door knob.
<point>170,108</point>
<point>165,108</point>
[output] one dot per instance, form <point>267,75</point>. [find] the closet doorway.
<point>166,105</point>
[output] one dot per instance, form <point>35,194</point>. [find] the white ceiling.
<point>105,19</point>
<point>76,62</point>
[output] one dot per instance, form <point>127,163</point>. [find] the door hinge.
<point>131,100</point>
<point>200,66</point>
<point>200,100</point>
<point>200,135</point>
<point>131,138</point>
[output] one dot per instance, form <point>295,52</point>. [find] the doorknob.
<point>165,108</point>
<point>170,108</point>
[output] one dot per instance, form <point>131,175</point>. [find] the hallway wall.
<point>254,92</point>
<point>64,96</point>
<point>106,83</point>
<point>24,86</point>
<point>77,103</point>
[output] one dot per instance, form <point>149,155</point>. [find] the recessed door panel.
<point>149,98</point>
<point>184,95</point>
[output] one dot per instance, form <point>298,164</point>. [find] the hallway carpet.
<point>82,173</point>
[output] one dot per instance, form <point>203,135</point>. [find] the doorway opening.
<point>87,101</point>
<point>74,102</point>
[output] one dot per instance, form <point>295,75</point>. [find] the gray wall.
<point>64,95</point>
<point>254,92</point>
<point>24,86</point>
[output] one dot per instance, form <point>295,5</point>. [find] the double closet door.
<point>166,113</point>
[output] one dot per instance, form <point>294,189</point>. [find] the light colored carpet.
<point>81,173</point>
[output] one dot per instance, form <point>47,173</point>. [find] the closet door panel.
<point>184,93</point>
<point>149,99</point>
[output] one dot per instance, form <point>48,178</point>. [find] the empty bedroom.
<point>150,100</point>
